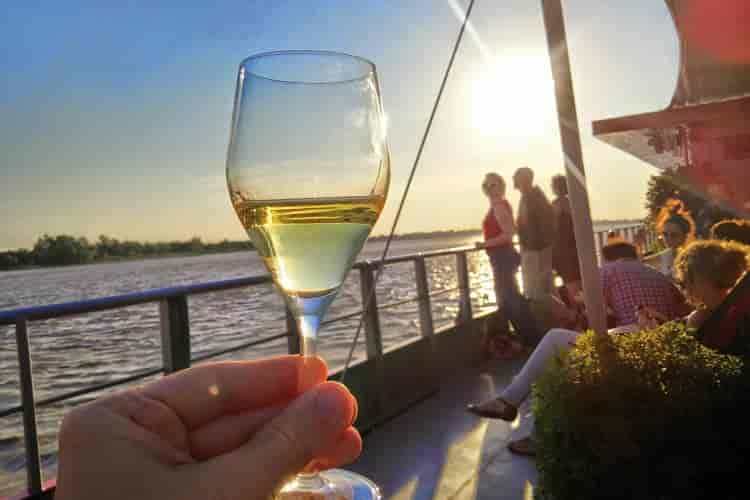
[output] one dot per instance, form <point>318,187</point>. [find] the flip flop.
<point>494,408</point>
<point>524,446</point>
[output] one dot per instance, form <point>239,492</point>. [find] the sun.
<point>513,96</point>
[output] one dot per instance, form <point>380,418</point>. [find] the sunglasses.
<point>671,234</point>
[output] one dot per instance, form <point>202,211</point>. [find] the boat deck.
<point>438,450</point>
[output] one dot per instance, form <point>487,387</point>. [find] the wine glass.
<point>308,173</point>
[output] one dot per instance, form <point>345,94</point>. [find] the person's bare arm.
<point>505,220</point>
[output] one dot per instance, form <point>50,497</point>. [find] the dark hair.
<point>721,263</point>
<point>674,212</point>
<point>619,249</point>
<point>560,185</point>
<point>732,230</point>
<point>525,171</point>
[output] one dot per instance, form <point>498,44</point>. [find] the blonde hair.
<point>493,176</point>
<point>719,263</point>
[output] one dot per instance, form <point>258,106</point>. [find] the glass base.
<point>331,484</point>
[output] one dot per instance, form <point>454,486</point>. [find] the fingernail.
<point>312,370</point>
<point>331,404</point>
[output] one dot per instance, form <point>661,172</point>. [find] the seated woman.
<point>709,271</point>
<point>676,228</point>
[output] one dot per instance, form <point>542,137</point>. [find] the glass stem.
<point>309,480</point>
<point>308,329</point>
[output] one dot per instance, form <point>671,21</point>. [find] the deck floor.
<point>437,450</point>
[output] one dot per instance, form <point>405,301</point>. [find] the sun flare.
<point>513,95</point>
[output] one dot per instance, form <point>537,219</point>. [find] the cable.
<point>413,171</point>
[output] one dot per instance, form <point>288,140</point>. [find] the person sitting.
<point>628,285</point>
<point>711,273</point>
<point>676,227</point>
<point>231,430</point>
<point>714,274</point>
<point>732,230</point>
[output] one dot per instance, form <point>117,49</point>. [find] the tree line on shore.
<point>68,250</point>
<point>63,250</point>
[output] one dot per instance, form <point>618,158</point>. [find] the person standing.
<point>498,230</point>
<point>536,233</point>
<point>564,248</point>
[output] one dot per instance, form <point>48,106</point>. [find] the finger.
<point>306,429</point>
<point>346,450</point>
<point>232,431</point>
<point>149,414</point>
<point>157,447</point>
<point>102,421</point>
<point>206,392</point>
<point>229,432</point>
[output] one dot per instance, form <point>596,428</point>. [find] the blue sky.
<point>115,117</point>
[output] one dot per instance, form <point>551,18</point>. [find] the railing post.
<point>33,466</point>
<point>292,332</point>
<point>175,333</point>
<point>600,239</point>
<point>373,338</point>
<point>651,238</point>
<point>464,304</point>
<point>423,293</point>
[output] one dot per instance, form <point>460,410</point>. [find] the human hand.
<point>234,430</point>
<point>648,317</point>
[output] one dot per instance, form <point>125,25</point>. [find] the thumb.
<point>308,427</point>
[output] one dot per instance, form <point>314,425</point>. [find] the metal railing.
<point>175,329</point>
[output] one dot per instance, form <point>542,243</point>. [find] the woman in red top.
<point>498,232</point>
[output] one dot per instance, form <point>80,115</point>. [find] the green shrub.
<point>667,419</point>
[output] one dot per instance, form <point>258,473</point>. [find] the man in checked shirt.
<point>630,285</point>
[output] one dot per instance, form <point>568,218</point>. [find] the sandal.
<point>494,408</point>
<point>524,446</point>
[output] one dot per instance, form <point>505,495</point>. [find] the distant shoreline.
<point>240,246</point>
<point>467,232</point>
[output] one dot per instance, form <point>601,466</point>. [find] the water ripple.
<point>77,352</point>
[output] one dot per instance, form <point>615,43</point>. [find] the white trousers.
<point>555,342</point>
<point>536,273</point>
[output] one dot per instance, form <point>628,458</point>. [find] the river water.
<point>86,350</point>
<point>81,351</point>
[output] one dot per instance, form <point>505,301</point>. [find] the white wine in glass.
<point>308,173</point>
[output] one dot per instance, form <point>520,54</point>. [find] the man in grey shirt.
<point>536,232</point>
